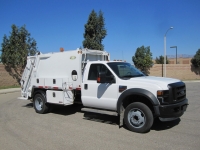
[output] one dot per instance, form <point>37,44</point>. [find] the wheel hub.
<point>136,118</point>
<point>38,104</point>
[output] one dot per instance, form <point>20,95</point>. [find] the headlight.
<point>163,96</point>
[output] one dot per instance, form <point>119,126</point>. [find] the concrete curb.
<point>11,90</point>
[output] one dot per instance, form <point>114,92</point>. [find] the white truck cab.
<point>102,86</point>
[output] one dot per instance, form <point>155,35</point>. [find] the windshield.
<point>125,70</point>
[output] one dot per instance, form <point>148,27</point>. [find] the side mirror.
<point>111,79</point>
<point>102,78</point>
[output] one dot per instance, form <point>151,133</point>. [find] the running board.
<point>106,112</point>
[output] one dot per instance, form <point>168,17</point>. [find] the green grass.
<point>8,87</point>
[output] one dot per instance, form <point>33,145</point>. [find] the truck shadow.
<point>114,120</point>
<point>72,109</point>
<point>158,125</point>
<point>29,105</point>
<point>107,119</point>
<point>65,110</point>
<point>60,110</point>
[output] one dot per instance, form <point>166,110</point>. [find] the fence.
<point>178,71</point>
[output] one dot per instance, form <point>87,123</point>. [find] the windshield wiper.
<point>130,76</point>
<point>140,75</point>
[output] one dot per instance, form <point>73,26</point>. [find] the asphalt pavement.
<point>21,128</point>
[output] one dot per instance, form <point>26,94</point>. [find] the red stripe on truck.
<point>78,88</point>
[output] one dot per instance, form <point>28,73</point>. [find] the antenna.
<point>122,56</point>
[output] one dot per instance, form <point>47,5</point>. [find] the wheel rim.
<point>38,103</point>
<point>136,118</point>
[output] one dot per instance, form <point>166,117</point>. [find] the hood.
<point>162,82</point>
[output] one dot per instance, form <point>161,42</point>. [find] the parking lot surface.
<point>69,128</point>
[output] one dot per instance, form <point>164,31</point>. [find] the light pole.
<point>176,51</point>
<point>165,51</point>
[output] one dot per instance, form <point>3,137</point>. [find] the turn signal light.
<point>160,93</point>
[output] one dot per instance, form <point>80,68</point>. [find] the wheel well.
<point>137,98</point>
<point>37,90</point>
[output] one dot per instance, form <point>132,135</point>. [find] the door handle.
<point>85,86</point>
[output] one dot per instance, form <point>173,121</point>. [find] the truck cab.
<point>137,98</point>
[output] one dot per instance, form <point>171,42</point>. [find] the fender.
<point>137,91</point>
<point>40,92</point>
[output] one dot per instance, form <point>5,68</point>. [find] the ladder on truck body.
<point>26,77</point>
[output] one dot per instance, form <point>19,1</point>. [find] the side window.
<point>95,69</point>
<point>93,72</point>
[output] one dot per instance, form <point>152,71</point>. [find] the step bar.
<point>106,112</point>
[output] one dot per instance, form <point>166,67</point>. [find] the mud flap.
<point>121,116</point>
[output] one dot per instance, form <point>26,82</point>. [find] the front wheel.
<point>138,117</point>
<point>39,104</point>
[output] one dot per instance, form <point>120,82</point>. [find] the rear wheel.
<point>40,104</point>
<point>138,117</point>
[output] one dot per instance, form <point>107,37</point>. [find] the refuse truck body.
<point>88,77</point>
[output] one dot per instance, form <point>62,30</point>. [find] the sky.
<point>129,23</point>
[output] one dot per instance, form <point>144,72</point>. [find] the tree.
<point>143,59</point>
<point>95,31</point>
<point>160,60</point>
<point>196,59</point>
<point>17,47</point>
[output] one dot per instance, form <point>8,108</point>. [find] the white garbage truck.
<point>102,86</point>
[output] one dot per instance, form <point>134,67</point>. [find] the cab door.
<point>99,95</point>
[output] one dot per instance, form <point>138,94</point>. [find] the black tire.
<point>138,117</point>
<point>39,103</point>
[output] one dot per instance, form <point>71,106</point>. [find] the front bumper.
<point>172,110</point>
